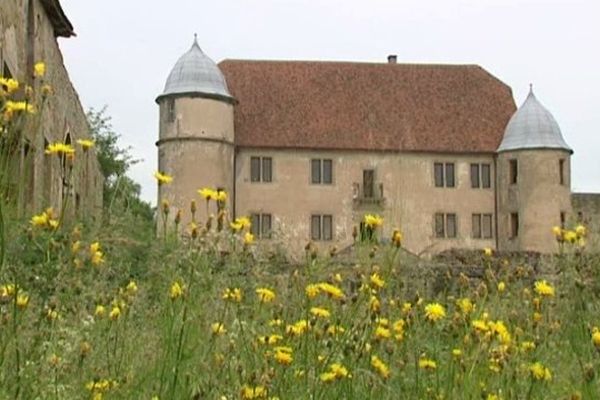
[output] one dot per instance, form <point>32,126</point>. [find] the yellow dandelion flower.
<point>456,353</point>
<point>327,377</point>
<point>376,280</point>
<point>501,286</point>
<point>373,220</point>
<point>331,290</point>
<point>265,295</point>
<point>100,311</point>
<point>406,308</point>
<point>9,85</point>
<point>40,220</point>
<point>283,355</point>
<point>61,149</point>
<point>115,313</point>
<point>253,392</point>
<point>596,337</point>
<point>580,230</point>
<point>543,288</point>
<point>39,69</point>
<point>382,332</point>
<point>557,232</point>
<point>298,328</point>
<point>22,301</point>
<point>12,107</point>
<point>382,369</point>
<point>540,372</point>
<point>85,144</point>
<point>207,193</point>
<point>374,304</point>
<point>435,312</point>
<point>162,178</point>
<point>488,252</point>
<point>465,305</point>
<point>232,294</point>
<point>221,195</point>
<point>427,364</point>
<point>218,328</point>
<point>176,290</point>
<point>320,312</point>
<point>312,290</point>
<point>132,287</point>
<point>248,238</point>
<point>570,236</point>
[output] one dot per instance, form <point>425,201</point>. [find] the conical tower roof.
<point>196,74</point>
<point>532,126</point>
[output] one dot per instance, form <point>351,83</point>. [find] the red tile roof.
<point>339,105</point>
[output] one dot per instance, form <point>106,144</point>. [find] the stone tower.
<point>533,180</point>
<point>196,133</point>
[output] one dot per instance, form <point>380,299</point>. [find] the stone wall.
<point>27,36</point>
<point>586,210</point>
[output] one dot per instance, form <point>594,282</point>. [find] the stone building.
<point>306,149</point>
<point>29,30</point>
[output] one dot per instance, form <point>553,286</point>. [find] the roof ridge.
<point>412,64</point>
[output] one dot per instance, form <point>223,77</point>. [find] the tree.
<point>120,192</point>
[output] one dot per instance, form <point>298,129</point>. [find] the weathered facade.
<point>306,149</point>
<point>28,34</point>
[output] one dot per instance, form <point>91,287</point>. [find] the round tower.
<point>196,134</point>
<point>533,180</point>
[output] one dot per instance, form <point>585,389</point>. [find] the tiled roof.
<point>339,105</point>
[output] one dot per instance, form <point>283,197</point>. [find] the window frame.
<point>261,169</point>
<point>444,174</point>
<point>318,233</point>
<point>513,171</point>
<point>514,225</point>
<point>478,223</point>
<point>258,228</point>
<point>317,171</point>
<point>561,171</point>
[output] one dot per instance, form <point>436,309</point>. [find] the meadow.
<point>110,311</point>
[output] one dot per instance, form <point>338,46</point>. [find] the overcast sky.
<point>124,51</point>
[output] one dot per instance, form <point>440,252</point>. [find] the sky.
<point>125,49</point>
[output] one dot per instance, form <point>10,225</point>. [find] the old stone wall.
<point>586,210</point>
<point>27,36</point>
<point>410,198</point>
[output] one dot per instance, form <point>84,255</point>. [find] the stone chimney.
<point>392,59</point>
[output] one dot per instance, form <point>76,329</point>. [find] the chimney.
<point>392,59</point>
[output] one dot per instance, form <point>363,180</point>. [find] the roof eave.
<point>61,24</point>
<point>213,96</point>
<point>568,150</point>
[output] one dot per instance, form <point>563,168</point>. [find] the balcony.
<point>367,195</point>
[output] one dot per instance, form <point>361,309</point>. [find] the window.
<point>480,176</point>
<point>445,225</point>
<point>261,225</point>
<point>482,226</point>
<point>514,171</point>
<point>170,110</point>
<point>321,227</point>
<point>261,169</point>
<point>561,171</point>
<point>514,225</point>
<point>368,183</point>
<point>321,171</point>
<point>443,174</point>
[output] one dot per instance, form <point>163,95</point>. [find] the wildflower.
<point>207,193</point>
<point>218,328</point>
<point>61,149</point>
<point>39,69</point>
<point>270,339</point>
<point>382,332</point>
<point>487,252</point>
<point>543,288</point>
<point>9,85</point>
<point>379,366</point>
<point>539,372</point>
<point>234,295</point>
<point>85,348</point>
<point>221,195</point>
<point>75,246</point>
<point>312,290</point>
<point>53,224</point>
<point>427,364</point>
<point>100,311</point>
<point>248,238</point>
<point>456,353</point>
<point>22,301</point>
<point>570,236</point>
<point>51,314</point>
<point>480,325</point>
<point>580,230</point>
<point>376,280</point>
<point>320,312</point>
<point>283,355</point>
<point>397,238</point>
<point>336,371</point>
<point>40,220</point>
<point>298,328</point>
<point>162,178</point>
<point>86,144</point>
<point>96,255</point>
<point>115,313</point>
<point>132,287</point>
<point>596,337</point>
<point>373,220</point>
<point>334,330</point>
<point>406,308</point>
<point>501,286</point>
<point>434,312</point>
<point>331,290</point>
<point>253,392</point>
<point>265,295</point>
<point>276,322</point>
<point>176,290</point>
<point>11,107</point>
<point>558,233</point>
<point>527,346</point>
<point>374,304</point>
<point>465,305</point>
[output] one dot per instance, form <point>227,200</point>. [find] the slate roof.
<point>343,105</point>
